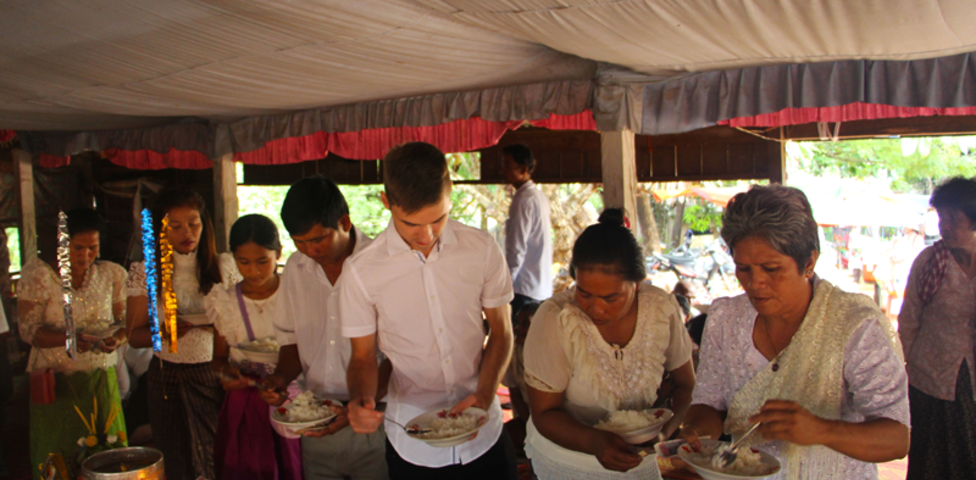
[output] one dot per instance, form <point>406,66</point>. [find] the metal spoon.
<point>727,457</point>
<point>411,431</point>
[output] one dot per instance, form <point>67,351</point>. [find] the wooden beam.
<point>777,159</point>
<point>225,199</point>
<point>620,173</point>
<point>28,220</point>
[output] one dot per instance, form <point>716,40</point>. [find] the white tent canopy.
<point>257,64</point>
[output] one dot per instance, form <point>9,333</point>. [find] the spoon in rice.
<point>411,431</point>
<point>724,458</point>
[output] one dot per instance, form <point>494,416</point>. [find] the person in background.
<point>821,369</point>
<point>599,347</point>
<point>247,447</point>
<point>98,299</point>
<point>515,379</point>
<point>185,394</point>
<point>308,328</point>
<point>936,325</point>
<point>424,289</point>
<point>528,231</point>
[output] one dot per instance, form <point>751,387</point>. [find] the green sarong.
<point>56,428</point>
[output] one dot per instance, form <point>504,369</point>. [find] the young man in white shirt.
<point>528,231</point>
<point>422,288</point>
<point>308,328</point>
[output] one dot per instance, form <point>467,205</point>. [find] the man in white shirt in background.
<point>528,231</point>
<point>422,287</point>
<point>308,329</point>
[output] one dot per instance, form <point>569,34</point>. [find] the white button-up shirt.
<point>428,316</point>
<point>307,315</point>
<point>528,242</point>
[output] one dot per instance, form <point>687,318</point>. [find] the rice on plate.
<point>748,463</point>
<point>631,420</point>
<point>449,425</point>
<point>306,408</point>
<point>266,345</point>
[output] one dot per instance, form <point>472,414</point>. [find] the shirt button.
<point>331,317</point>
<point>331,342</point>
<point>440,330</point>
<point>447,360</point>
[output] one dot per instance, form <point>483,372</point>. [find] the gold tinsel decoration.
<point>166,271</point>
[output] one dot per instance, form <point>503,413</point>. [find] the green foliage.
<point>913,164</point>
<point>13,246</point>
<point>702,216</point>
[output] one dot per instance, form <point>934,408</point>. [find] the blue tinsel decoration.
<point>149,256</point>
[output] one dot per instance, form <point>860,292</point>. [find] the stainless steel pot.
<point>133,463</point>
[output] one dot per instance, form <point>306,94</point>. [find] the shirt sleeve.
<point>710,385</point>
<point>910,316</point>
<point>516,229</point>
<point>497,289</point>
<point>876,379</point>
<point>119,277</point>
<point>679,349</point>
<point>283,319</point>
<point>135,285</point>
<point>356,309</point>
<point>547,365</point>
<point>38,286</point>
<point>229,273</point>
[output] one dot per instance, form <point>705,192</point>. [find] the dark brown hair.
<point>415,175</point>
<point>208,267</point>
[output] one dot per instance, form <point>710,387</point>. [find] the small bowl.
<point>648,433</point>
<point>708,473</point>
<point>198,319</point>
<point>423,421</point>
<point>257,357</point>
<point>280,419</point>
<point>102,333</point>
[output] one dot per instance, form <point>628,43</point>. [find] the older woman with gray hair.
<point>820,368</point>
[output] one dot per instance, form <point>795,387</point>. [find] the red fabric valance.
<point>842,113</point>
<point>457,136</point>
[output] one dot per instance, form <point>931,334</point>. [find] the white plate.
<point>423,421</point>
<point>294,427</point>
<point>257,357</point>
<point>103,333</point>
<point>648,433</point>
<point>707,473</point>
<point>198,319</point>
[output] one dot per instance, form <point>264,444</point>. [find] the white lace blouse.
<point>875,381</point>
<point>40,291</point>
<point>564,352</point>
<point>225,312</point>
<point>197,345</point>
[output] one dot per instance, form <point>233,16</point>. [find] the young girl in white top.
<point>242,313</point>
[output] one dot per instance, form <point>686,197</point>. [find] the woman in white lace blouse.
<point>98,300</point>
<point>599,347</point>
<point>821,368</point>
<point>185,394</point>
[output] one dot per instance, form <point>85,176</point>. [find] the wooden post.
<point>28,221</point>
<point>225,199</point>
<point>777,166</point>
<point>620,173</point>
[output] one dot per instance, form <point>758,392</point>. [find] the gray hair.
<point>780,215</point>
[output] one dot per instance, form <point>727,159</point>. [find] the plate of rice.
<point>750,463</point>
<point>262,350</point>
<point>101,329</point>
<point>448,430</point>
<point>636,426</point>
<point>305,411</point>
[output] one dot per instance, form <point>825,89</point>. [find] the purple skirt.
<point>247,447</point>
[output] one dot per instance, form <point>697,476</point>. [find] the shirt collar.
<point>395,244</point>
<point>528,184</point>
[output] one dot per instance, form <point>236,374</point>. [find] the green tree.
<point>913,164</point>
